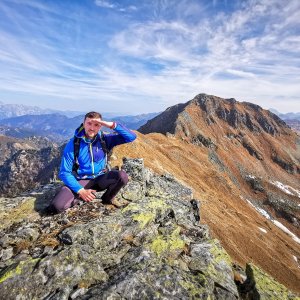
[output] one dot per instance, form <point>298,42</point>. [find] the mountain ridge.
<point>211,106</point>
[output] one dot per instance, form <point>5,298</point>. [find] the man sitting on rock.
<point>86,173</point>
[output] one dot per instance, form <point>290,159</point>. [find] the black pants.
<point>111,181</point>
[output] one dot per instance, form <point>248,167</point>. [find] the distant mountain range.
<point>286,116</point>
<point>23,121</point>
<point>15,110</point>
<point>291,118</point>
<point>58,127</point>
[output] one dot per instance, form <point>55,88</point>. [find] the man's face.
<point>91,127</point>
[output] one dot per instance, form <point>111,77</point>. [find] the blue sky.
<point>144,56</point>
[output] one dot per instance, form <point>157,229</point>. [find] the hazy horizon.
<point>123,113</point>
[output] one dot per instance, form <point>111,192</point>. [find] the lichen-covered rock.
<point>154,248</point>
<point>260,285</point>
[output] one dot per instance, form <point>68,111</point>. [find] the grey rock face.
<point>205,141</point>
<point>284,207</point>
<point>154,248</point>
<point>251,149</point>
<point>255,183</point>
<point>288,165</point>
<point>27,169</point>
<point>164,122</point>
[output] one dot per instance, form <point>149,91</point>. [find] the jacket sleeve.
<point>123,135</point>
<point>66,167</point>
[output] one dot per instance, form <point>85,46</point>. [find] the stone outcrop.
<point>285,162</point>
<point>284,208</point>
<point>154,248</point>
<point>255,183</point>
<point>201,140</point>
<point>9,146</point>
<point>249,145</point>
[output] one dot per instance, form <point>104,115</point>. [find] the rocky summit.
<point>154,247</point>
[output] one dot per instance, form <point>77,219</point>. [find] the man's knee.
<point>63,199</point>
<point>123,177</point>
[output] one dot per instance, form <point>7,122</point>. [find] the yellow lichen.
<point>145,215</point>
<point>269,286</point>
<point>131,207</point>
<point>219,256</point>
<point>192,289</point>
<point>219,253</point>
<point>157,204</point>
<point>159,245</point>
<point>17,270</point>
<point>144,218</point>
<point>162,244</point>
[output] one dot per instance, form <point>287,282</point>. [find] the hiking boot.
<point>120,202</point>
<point>116,202</point>
<point>49,210</point>
<point>106,202</point>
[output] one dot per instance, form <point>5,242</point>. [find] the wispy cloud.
<point>106,4</point>
<point>154,55</point>
<point>247,43</point>
<point>111,5</point>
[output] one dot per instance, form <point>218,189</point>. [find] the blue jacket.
<point>91,159</point>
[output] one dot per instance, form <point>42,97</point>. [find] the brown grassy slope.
<point>232,220</point>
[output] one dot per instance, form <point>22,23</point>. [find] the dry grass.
<point>23,211</point>
<point>22,245</point>
<point>129,238</point>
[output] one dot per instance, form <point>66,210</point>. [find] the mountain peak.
<point>208,110</point>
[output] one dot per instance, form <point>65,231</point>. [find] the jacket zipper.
<point>91,151</point>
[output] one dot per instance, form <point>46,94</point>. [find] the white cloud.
<point>206,49</point>
<point>241,73</point>
<point>117,7</point>
<point>105,4</point>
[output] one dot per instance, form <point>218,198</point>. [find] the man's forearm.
<point>108,124</point>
